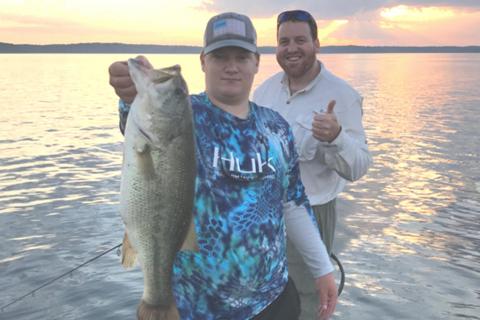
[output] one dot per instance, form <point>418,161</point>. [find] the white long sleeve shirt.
<point>325,167</point>
<point>306,238</point>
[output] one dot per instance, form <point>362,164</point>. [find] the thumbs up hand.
<point>325,126</point>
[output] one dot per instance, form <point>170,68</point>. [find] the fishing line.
<point>59,277</point>
<point>342,272</point>
<point>332,255</point>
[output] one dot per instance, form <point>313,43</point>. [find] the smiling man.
<point>325,114</point>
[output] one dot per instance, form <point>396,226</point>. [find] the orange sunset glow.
<point>182,22</point>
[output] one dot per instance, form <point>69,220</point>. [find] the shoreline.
<point>108,48</point>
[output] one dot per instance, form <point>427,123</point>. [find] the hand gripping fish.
<point>157,183</point>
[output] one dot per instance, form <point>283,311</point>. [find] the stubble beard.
<point>297,70</point>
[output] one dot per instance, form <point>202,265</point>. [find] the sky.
<point>182,22</point>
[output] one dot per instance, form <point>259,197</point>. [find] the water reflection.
<point>411,243</point>
<point>419,122</point>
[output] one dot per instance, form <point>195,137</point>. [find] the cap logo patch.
<point>229,26</point>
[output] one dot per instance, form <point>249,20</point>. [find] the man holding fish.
<point>247,176</point>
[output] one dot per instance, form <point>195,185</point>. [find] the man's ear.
<point>317,45</point>
<point>202,61</point>
<point>257,61</point>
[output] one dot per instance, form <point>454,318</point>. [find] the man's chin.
<point>291,66</point>
<point>231,94</point>
<point>293,72</point>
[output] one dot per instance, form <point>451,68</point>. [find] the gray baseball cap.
<point>229,30</point>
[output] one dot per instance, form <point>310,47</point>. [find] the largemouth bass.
<point>157,183</point>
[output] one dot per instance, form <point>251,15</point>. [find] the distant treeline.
<point>146,48</point>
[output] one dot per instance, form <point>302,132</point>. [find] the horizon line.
<point>199,46</point>
<point>119,48</point>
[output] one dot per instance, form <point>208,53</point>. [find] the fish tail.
<point>128,253</point>
<point>149,312</point>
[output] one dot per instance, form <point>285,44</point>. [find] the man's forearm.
<point>306,239</point>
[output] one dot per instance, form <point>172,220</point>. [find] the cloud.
<point>373,22</point>
<point>325,9</point>
<point>32,21</point>
<point>397,31</point>
<point>371,34</point>
<point>23,29</point>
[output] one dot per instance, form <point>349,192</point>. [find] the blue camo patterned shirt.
<point>246,170</point>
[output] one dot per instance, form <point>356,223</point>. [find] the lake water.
<point>409,231</point>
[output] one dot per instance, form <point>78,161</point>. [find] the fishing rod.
<point>59,277</point>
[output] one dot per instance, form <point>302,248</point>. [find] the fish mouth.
<point>157,75</point>
<point>173,70</point>
<point>165,74</point>
<point>137,64</point>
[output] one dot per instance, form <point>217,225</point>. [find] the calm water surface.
<point>409,233</point>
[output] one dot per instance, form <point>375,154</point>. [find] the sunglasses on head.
<point>298,15</point>
<point>294,15</point>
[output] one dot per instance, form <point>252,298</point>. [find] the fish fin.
<point>145,161</point>
<point>128,253</point>
<point>140,144</point>
<point>190,242</point>
<point>146,311</point>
